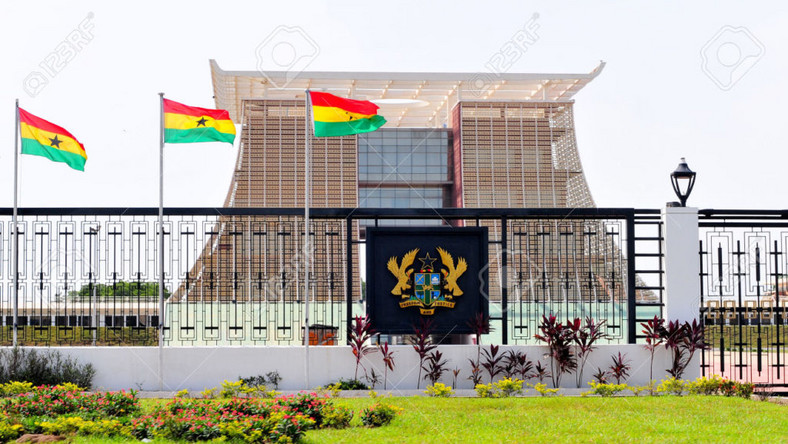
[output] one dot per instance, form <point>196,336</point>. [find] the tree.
<point>119,290</point>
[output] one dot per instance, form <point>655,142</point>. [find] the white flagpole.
<point>161,242</point>
<point>15,242</point>
<point>306,253</point>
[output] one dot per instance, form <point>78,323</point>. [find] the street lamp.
<point>683,179</point>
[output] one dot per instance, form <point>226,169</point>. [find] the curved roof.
<point>407,99</point>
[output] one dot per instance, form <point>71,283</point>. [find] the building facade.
<point>452,140</point>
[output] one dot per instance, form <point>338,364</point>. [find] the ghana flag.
<point>42,138</point>
<point>189,124</point>
<point>335,116</point>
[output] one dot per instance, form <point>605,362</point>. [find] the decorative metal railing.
<point>744,294</point>
<point>234,276</point>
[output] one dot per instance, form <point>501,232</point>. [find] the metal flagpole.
<point>15,243</point>
<point>306,252</point>
<point>161,242</point>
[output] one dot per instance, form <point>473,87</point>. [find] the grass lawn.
<point>625,419</point>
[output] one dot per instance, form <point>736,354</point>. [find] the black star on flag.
<point>201,122</point>
<point>55,142</point>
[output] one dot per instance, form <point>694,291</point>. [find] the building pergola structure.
<point>415,99</point>
<point>511,145</point>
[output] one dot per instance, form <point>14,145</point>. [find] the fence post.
<point>682,270</point>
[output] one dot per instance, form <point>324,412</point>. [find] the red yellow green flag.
<point>335,116</point>
<point>42,138</point>
<point>189,124</point>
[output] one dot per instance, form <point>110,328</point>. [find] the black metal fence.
<point>744,294</point>
<point>235,276</point>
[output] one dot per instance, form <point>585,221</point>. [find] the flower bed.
<point>62,410</point>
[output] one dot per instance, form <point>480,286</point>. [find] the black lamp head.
<point>683,179</point>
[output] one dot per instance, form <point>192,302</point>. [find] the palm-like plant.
<point>585,337</point>
<point>422,343</point>
<point>480,325</point>
<point>683,340</point>
<point>620,368</point>
<point>559,339</point>
<point>436,366</point>
<point>388,361</point>
<point>492,362</point>
<point>360,333</point>
<point>654,338</point>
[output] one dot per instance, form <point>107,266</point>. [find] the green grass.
<point>749,333</point>
<point>625,419</point>
<point>667,419</point>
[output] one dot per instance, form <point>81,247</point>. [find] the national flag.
<point>42,138</point>
<point>190,124</point>
<point>335,116</point>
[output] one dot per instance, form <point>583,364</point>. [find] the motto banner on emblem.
<point>434,272</point>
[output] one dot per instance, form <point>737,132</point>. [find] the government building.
<point>453,140</point>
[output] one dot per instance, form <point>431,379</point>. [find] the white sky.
<point>652,104</point>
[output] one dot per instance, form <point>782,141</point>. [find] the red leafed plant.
<point>360,333</point>
<point>653,331</point>
<point>585,337</point>
<point>683,340</point>
<point>559,339</point>
<point>620,368</point>
<point>422,343</point>
<point>388,361</point>
<point>479,325</point>
<point>492,362</point>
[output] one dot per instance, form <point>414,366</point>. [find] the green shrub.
<point>704,386</point>
<point>106,428</point>
<point>253,420</point>
<point>728,387</point>
<point>55,401</point>
<point>379,414</point>
<point>606,390</point>
<point>43,368</point>
<point>335,417</point>
<point>502,389</point>
<point>484,391</point>
<point>509,387</point>
<point>542,389</point>
<point>208,393</point>
<point>62,425</point>
<point>10,432</point>
<point>744,389</point>
<point>349,384</point>
<point>672,386</point>
<point>15,388</point>
<point>439,390</point>
<point>232,389</point>
<point>637,390</point>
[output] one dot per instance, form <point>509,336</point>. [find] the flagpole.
<point>161,241</point>
<point>15,243</point>
<point>307,193</point>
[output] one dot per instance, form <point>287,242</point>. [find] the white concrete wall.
<point>682,266</point>
<point>682,270</point>
<point>197,368</point>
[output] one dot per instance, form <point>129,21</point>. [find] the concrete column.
<point>682,266</point>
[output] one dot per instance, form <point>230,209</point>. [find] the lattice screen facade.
<point>517,154</point>
<point>270,173</point>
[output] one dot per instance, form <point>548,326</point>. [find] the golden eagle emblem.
<point>401,272</point>
<point>452,272</point>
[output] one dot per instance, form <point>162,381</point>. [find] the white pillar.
<point>682,266</point>
<point>682,272</point>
